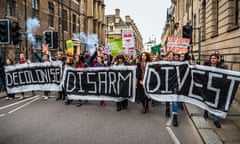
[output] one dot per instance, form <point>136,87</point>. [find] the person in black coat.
<point>89,59</point>
<point>214,61</point>
<point>121,104</point>
<point>140,94</point>
<point>8,62</point>
<point>2,63</point>
<point>2,75</point>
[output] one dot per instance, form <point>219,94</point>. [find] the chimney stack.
<point>117,12</point>
<point>128,19</point>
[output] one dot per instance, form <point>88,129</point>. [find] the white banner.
<point>128,40</point>
<point>178,45</point>
<point>34,76</point>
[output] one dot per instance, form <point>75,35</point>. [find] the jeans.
<point>215,118</point>
<point>174,107</point>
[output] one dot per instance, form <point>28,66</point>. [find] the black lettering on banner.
<point>34,76</point>
<point>100,83</point>
<point>210,88</point>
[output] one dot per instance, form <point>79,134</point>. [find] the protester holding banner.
<point>2,75</point>
<point>140,71</point>
<point>8,62</point>
<point>177,57</point>
<point>122,104</point>
<point>214,62</point>
<point>171,57</point>
<point>45,59</point>
<point>156,57</point>
<point>81,64</point>
<point>100,64</point>
<point>69,63</point>
<point>22,60</point>
<point>59,57</point>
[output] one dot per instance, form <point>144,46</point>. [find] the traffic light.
<point>48,38</point>
<point>55,40</point>
<point>187,32</point>
<point>4,31</point>
<point>15,32</point>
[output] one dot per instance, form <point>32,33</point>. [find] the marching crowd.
<point>101,59</point>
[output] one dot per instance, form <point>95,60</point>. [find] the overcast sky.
<point>149,15</point>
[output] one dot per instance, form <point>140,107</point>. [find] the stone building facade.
<point>63,16</point>
<point>115,25</point>
<point>215,28</point>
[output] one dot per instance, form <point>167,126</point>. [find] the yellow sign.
<point>69,44</point>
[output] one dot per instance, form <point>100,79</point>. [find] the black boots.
<point>119,107</point>
<point>175,121</point>
<point>145,107</point>
<point>153,103</point>
<point>205,115</point>
<point>79,103</point>
<point>217,124</point>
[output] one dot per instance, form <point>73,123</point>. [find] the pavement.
<point>228,134</point>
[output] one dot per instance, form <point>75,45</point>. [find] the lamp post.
<point>25,17</point>
<point>199,44</point>
<point>170,18</point>
<point>107,32</point>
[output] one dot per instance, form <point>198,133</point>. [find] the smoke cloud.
<point>32,25</point>
<point>90,40</point>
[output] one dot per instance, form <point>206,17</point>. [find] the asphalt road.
<point>38,121</point>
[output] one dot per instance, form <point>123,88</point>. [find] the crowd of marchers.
<point>101,59</point>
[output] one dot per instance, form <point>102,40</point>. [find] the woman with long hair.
<point>140,95</point>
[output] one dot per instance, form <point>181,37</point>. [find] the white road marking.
<point>22,101</point>
<point>2,115</point>
<point>173,136</point>
<point>169,122</point>
<point>18,108</point>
